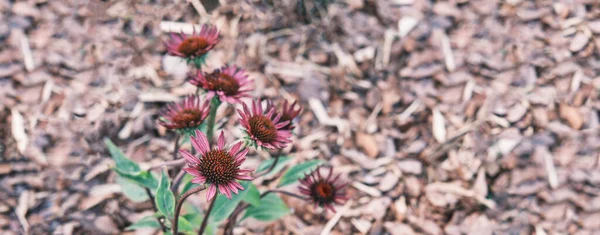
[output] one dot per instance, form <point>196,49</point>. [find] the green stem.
<point>214,105</point>
<point>205,219</point>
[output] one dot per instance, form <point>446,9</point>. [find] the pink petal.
<point>241,155</point>
<point>189,158</point>
<point>236,148</point>
<point>244,177</point>
<point>192,171</point>
<point>199,180</point>
<point>221,141</point>
<point>232,188</point>
<point>237,185</point>
<point>225,190</point>
<point>200,143</point>
<point>212,190</point>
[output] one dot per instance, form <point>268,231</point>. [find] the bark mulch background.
<point>445,117</point>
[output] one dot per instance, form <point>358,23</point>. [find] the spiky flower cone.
<point>229,83</point>
<point>189,113</point>
<point>218,167</point>
<point>265,130</point>
<point>323,192</point>
<point>195,45</point>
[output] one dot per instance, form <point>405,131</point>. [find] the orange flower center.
<point>192,46</point>
<point>223,82</point>
<point>263,129</point>
<point>188,118</point>
<point>323,192</point>
<point>218,166</point>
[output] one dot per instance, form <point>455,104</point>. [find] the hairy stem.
<point>180,203</point>
<point>177,181</point>
<point>176,147</point>
<point>214,105</point>
<point>205,219</point>
<point>162,225</point>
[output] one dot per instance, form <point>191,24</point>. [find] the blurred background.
<point>445,117</point>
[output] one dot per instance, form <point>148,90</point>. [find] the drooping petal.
<point>189,158</point>
<point>200,143</point>
<point>221,141</point>
<point>212,190</point>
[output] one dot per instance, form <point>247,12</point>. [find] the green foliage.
<point>165,200</point>
<point>131,190</point>
<point>146,222</point>
<point>271,208</point>
<point>224,207</point>
<point>123,163</point>
<point>128,169</point>
<point>252,195</point>
<point>297,172</point>
<point>267,163</point>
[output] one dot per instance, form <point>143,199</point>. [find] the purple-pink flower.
<point>191,112</point>
<point>266,130</point>
<point>323,192</point>
<point>288,112</point>
<point>195,45</point>
<point>229,83</point>
<point>218,167</point>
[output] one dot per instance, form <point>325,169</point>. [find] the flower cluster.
<point>218,168</point>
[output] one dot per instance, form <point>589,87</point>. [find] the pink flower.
<point>288,112</point>
<point>266,130</point>
<point>323,192</point>
<point>218,167</point>
<point>230,83</point>
<point>190,112</point>
<point>196,45</point>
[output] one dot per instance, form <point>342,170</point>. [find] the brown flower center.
<point>192,45</point>
<point>223,82</point>
<point>188,118</point>
<point>263,129</point>
<point>323,192</point>
<point>218,166</point>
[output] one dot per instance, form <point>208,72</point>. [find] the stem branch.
<point>180,203</point>
<point>162,225</point>
<point>205,219</point>
<point>271,167</point>
<point>214,105</point>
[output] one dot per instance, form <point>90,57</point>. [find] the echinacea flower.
<point>195,45</point>
<point>189,113</point>
<point>288,113</point>
<point>323,192</point>
<point>229,83</point>
<point>265,130</point>
<point>216,166</point>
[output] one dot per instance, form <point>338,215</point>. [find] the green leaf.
<point>252,196</point>
<point>224,207</point>
<point>185,226</point>
<point>187,183</point>
<point>143,178</point>
<point>165,200</point>
<point>280,165</point>
<point>132,191</point>
<point>146,222</point>
<point>123,163</point>
<point>271,208</point>
<point>298,171</point>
